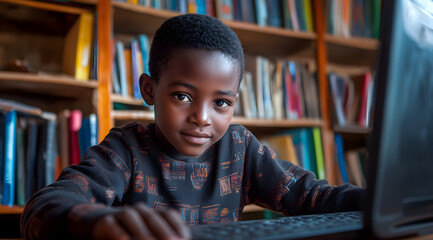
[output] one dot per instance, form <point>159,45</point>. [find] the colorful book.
<point>128,71</point>
<point>283,147</point>
<point>320,164</point>
<point>9,168</point>
<point>63,138</point>
<point>261,12</point>
<point>136,60</point>
<point>78,48</point>
<point>339,148</point>
<point>224,9</point>
<point>121,66</point>
<point>248,11</point>
<point>2,156</point>
<point>74,126</point>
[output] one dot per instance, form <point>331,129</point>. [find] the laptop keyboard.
<point>304,226</point>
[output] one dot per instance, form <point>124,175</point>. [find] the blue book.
<point>93,123</point>
<point>261,12</point>
<point>274,13</point>
<point>9,158</point>
<point>120,58</point>
<point>135,70</point>
<point>301,15</point>
<point>339,147</point>
<point>51,146</point>
<point>182,6</point>
<point>2,137</point>
<point>84,136</point>
<point>304,145</point>
<point>201,6</point>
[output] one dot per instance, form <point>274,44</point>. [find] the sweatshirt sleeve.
<point>82,193</point>
<point>291,190</point>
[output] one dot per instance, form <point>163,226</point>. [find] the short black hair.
<point>193,31</point>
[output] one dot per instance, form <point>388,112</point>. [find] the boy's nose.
<point>200,116</point>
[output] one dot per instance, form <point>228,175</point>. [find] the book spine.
<point>84,47</point>
<point>319,153</point>
<point>9,158</point>
<point>340,157</point>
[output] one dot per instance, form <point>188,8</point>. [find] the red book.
<point>364,98</point>
<point>74,146</point>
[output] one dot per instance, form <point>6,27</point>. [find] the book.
<point>224,9</point>
<point>74,126</point>
<point>128,70</point>
<point>261,12</point>
<point>294,15</point>
<point>266,86</point>
<point>248,11</point>
<point>319,153</point>
<point>78,48</point>
<point>210,10</point>
<point>362,116</point>
<point>251,93</point>
<point>121,67</point>
<point>339,149</point>
<point>337,98</point>
<point>283,147</point>
<point>63,137</point>
<point>244,98</point>
<point>9,158</point>
<point>51,146</point>
<point>274,18</point>
<point>20,159</point>
<point>93,122</point>
<point>31,156</point>
<point>287,22</point>
<point>308,13</point>
<point>354,168</point>
<point>2,156</point>
<point>137,70</point>
<point>277,90</point>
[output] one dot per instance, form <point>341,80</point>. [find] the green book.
<point>319,153</point>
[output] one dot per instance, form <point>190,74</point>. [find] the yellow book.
<point>308,15</point>
<point>78,48</point>
<point>191,6</point>
<point>283,146</point>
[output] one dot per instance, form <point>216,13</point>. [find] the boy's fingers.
<point>109,229</point>
<point>179,226</point>
<point>160,228</point>
<point>131,220</point>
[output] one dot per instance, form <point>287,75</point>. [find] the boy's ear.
<point>147,86</point>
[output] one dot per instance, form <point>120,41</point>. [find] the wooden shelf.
<point>44,84</point>
<point>351,51</point>
<point>133,115</point>
<point>269,123</point>
<point>273,123</point>
<point>5,209</point>
<point>352,129</point>
<point>126,100</point>
<point>267,41</point>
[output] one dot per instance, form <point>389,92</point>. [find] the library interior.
<point>70,69</point>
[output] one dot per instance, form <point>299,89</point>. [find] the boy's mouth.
<point>196,137</point>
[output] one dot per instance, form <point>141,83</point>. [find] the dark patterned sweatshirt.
<point>129,166</point>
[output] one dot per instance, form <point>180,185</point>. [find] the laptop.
<point>399,199</point>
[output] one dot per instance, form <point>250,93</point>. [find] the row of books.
<point>351,99</point>
<point>359,18</point>
<point>302,146</point>
<point>295,15</point>
<point>351,163</point>
<point>35,146</point>
<point>130,60</point>
<point>278,90</point>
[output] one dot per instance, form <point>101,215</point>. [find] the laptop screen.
<point>401,146</point>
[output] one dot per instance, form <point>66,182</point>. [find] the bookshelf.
<point>351,56</point>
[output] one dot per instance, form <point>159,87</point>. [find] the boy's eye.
<point>182,97</point>
<point>222,103</point>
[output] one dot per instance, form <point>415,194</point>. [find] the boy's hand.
<point>141,222</point>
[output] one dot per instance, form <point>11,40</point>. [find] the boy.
<point>190,160</point>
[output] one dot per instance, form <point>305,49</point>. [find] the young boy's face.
<point>193,99</point>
